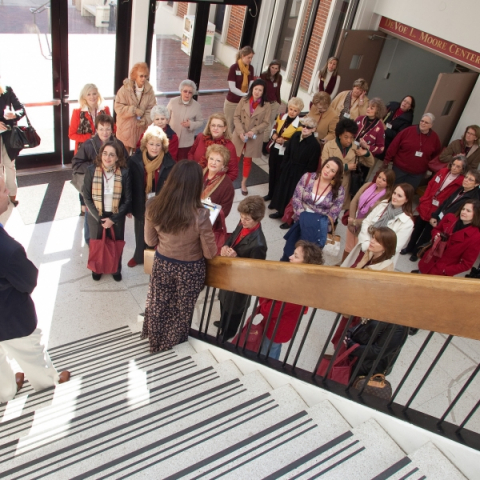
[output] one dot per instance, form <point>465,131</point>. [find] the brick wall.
<point>182,9</point>
<point>235,25</point>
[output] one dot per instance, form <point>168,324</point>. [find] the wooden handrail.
<point>442,304</point>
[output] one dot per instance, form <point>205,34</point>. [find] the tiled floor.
<point>71,306</point>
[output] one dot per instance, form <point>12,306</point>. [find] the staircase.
<point>127,413</point>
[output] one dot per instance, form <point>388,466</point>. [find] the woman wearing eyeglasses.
<point>468,145</point>
<point>301,156</point>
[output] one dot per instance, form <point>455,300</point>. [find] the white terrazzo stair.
<point>127,413</point>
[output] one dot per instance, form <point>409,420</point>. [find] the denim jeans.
<point>275,350</point>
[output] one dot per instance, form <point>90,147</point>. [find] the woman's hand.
<point>106,223</point>
<point>139,112</point>
<point>242,137</point>
<point>280,140</point>
<point>360,152</point>
<point>274,136</point>
<point>352,229</point>
<point>350,220</point>
<point>250,134</point>
<point>352,166</point>
<point>362,97</point>
<point>226,251</point>
<point>129,215</point>
<point>363,143</point>
<point>186,124</point>
<point>10,116</point>
<point>3,127</point>
<point>433,222</point>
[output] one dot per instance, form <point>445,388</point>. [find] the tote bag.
<point>105,253</point>
<point>342,367</point>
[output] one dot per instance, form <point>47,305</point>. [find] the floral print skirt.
<point>172,295</point>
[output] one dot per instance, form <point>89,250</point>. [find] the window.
<point>287,31</point>
<point>219,17</point>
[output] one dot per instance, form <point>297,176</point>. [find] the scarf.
<point>209,140</point>
<point>246,72</point>
<point>210,185</point>
<point>330,84</point>
<point>85,126</point>
<point>390,213</point>
<point>254,104</point>
<point>151,166</point>
<point>244,232</point>
<point>97,188</point>
<point>347,105</point>
<point>369,198</point>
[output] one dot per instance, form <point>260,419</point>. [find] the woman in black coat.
<point>107,192</point>
<point>301,156</point>
<point>399,116</point>
<point>8,118</point>
<point>149,168</point>
<point>362,333</point>
<point>247,241</point>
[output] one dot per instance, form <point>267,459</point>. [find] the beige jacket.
<point>326,124</point>
<point>180,112</point>
<point>245,122</point>
<point>129,129</point>
<point>356,110</point>
<point>385,266</point>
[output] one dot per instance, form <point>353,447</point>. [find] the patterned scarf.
<point>97,188</point>
<point>209,186</point>
<point>209,140</point>
<point>254,104</point>
<point>246,72</point>
<point>151,166</point>
<point>85,126</point>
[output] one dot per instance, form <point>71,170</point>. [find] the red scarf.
<point>253,104</point>
<point>210,141</point>
<point>244,232</point>
<point>397,113</point>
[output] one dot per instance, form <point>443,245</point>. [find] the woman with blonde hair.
<point>149,168</point>
<point>133,103</point>
<point>352,103</point>
<point>240,77</point>
<point>216,132</point>
<point>327,79</point>
<point>285,126</point>
<point>82,124</point>
<point>325,116</point>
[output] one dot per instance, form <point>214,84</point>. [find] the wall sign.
<point>452,51</point>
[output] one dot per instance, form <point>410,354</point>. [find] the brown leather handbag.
<point>377,386</point>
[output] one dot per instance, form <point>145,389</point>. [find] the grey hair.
<point>188,83</point>
<point>431,116</point>
<point>308,122</point>
<point>462,158</point>
<point>159,110</point>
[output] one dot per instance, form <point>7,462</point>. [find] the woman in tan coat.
<point>325,116</point>
<point>251,119</point>
<point>133,103</point>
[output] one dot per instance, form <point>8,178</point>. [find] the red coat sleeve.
<point>192,151</point>
<point>232,171</point>
<point>173,147</point>
<point>72,131</point>
<point>468,258</point>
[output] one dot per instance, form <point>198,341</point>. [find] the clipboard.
<point>213,208</point>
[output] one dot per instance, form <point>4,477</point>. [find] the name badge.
<point>419,154</point>
<point>435,203</point>
<point>388,125</point>
<point>440,215</point>
<point>357,143</point>
<point>108,191</point>
<point>150,195</point>
<point>238,72</point>
<point>275,85</point>
<point>346,115</point>
<point>437,179</point>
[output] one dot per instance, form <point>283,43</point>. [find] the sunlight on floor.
<point>138,393</point>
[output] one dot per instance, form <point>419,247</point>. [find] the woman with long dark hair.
<point>251,119</point>
<point>179,226</point>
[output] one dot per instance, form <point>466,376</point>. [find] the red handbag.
<point>435,165</point>
<point>221,234</point>
<point>288,213</point>
<point>104,254</point>
<point>345,216</point>
<point>254,340</point>
<point>342,367</point>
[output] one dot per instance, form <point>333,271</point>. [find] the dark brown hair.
<point>312,253</point>
<point>253,206</point>
<point>475,174</point>
<point>387,238</point>
<point>337,180</point>
<point>390,176</point>
<point>121,161</point>
<point>409,192</point>
<point>476,212</point>
<point>175,208</point>
<point>266,74</point>
<point>104,119</point>
<point>254,84</point>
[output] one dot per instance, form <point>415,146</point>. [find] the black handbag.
<point>24,137</point>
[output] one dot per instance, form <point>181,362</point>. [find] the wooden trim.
<point>442,304</point>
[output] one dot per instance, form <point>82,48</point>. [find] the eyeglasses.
<point>473,134</point>
<point>309,128</point>
<point>142,76</point>
<point>424,121</point>
<point>109,155</point>
<point>470,179</point>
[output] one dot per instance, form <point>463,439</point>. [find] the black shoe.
<point>275,215</point>
<point>404,251</point>
<point>96,276</point>
<point>413,258</point>
<point>264,149</point>
<point>270,206</point>
<point>117,277</point>
<point>285,226</point>
<point>216,324</point>
<point>415,271</point>
<point>412,331</point>
<point>14,202</point>
<point>267,198</point>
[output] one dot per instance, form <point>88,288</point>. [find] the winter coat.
<point>79,138</point>
<point>9,99</point>
<point>180,112</point>
<point>426,208</point>
<point>385,266</point>
<point>129,129</point>
<point>458,147</point>
<point>356,110</point>
<point>137,174</point>
<point>452,204</point>
<point>375,137</point>
<point>461,252</point>
<point>257,122</point>
<point>402,122</point>
<point>326,123</point>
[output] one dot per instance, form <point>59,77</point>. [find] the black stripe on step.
<point>336,464</point>
<point>86,339</point>
<point>309,456</point>
<point>150,418</point>
<point>393,469</point>
<point>409,474</point>
<point>233,448</point>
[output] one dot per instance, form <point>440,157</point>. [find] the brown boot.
<point>64,376</point>
<point>19,379</point>
<point>14,202</point>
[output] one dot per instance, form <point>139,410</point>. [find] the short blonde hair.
<point>296,102</point>
<point>140,66</point>
<point>309,122</point>
<point>361,83</point>
<point>221,150</point>
<point>154,132</point>
<point>83,95</point>
<point>323,98</point>
<point>218,116</point>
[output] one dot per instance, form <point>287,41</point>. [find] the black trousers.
<point>422,234</point>
<point>140,245</point>
<point>275,162</point>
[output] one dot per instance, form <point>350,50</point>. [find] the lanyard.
<point>107,179</point>
<point>317,197</point>
<point>441,186</point>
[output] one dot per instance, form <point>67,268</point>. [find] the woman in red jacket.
<point>216,133</point>
<point>439,188</point>
<point>462,231</point>
<point>305,252</point>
